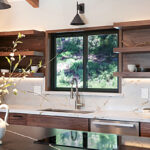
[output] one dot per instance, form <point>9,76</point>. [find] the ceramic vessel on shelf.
<point>34,68</point>
<point>3,123</point>
<point>4,70</point>
<point>132,67</point>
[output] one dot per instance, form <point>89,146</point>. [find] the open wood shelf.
<point>22,53</point>
<point>132,24</point>
<point>132,49</point>
<point>132,74</point>
<point>17,75</point>
<point>26,32</point>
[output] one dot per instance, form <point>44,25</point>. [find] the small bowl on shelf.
<point>34,69</point>
<point>4,70</point>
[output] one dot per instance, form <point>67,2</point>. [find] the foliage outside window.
<point>87,56</point>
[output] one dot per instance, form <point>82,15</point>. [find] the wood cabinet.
<point>15,118</point>
<point>33,47</point>
<point>145,129</point>
<point>69,123</point>
<point>134,48</point>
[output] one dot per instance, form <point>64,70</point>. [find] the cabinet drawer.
<point>115,127</point>
<point>58,122</point>
<point>145,129</point>
<point>18,119</point>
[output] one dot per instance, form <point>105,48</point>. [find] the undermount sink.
<point>67,111</point>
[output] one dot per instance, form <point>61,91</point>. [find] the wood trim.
<point>120,59</point>
<point>22,53</point>
<point>132,74</point>
<point>80,29</point>
<point>26,32</point>
<point>17,75</point>
<point>47,58</point>
<point>33,3</point>
<point>132,23</point>
<point>132,49</point>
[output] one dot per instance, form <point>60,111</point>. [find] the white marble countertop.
<point>107,115</point>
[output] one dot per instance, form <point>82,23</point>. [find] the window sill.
<point>84,93</point>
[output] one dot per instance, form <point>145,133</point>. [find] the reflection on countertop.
<point>16,142</point>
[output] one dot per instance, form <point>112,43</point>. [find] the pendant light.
<point>4,4</point>
<point>77,19</point>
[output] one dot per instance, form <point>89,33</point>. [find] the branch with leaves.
<point>8,82</point>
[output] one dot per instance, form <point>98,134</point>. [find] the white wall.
<point>56,14</point>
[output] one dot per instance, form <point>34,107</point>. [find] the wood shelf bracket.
<point>33,3</point>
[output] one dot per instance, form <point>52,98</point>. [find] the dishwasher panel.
<point>115,127</point>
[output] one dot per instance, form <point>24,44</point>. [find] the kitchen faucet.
<point>78,105</point>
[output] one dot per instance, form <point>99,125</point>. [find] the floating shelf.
<point>132,74</point>
<point>132,24</point>
<point>26,32</point>
<point>22,53</point>
<point>132,49</point>
<point>17,75</point>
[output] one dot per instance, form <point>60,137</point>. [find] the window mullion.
<point>85,60</point>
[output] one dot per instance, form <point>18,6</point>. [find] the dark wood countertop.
<point>16,142</point>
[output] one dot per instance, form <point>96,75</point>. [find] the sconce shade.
<point>4,4</point>
<point>77,20</point>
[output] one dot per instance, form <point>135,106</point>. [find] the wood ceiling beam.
<point>33,3</point>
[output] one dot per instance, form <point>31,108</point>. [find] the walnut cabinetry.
<point>82,124</point>
<point>134,48</point>
<point>18,119</point>
<point>145,129</point>
<point>58,122</point>
<point>69,123</point>
<point>15,118</point>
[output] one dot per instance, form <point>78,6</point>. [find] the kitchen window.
<point>87,56</point>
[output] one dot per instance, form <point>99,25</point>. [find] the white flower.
<point>15,91</point>
<point>1,85</point>
<point>11,54</point>
<point>22,35</point>
<point>12,58</point>
<point>5,91</point>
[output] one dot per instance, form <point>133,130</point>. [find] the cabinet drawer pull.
<point>17,116</point>
<point>114,124</point>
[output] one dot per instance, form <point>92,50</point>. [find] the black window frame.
<point>85,35</point>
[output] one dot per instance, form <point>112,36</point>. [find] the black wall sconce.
<point>77,19</point>
<point>4,4</point>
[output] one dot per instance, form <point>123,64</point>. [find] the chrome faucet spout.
<point>77,103</point>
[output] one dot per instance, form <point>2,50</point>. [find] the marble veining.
<point>98,114</point>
